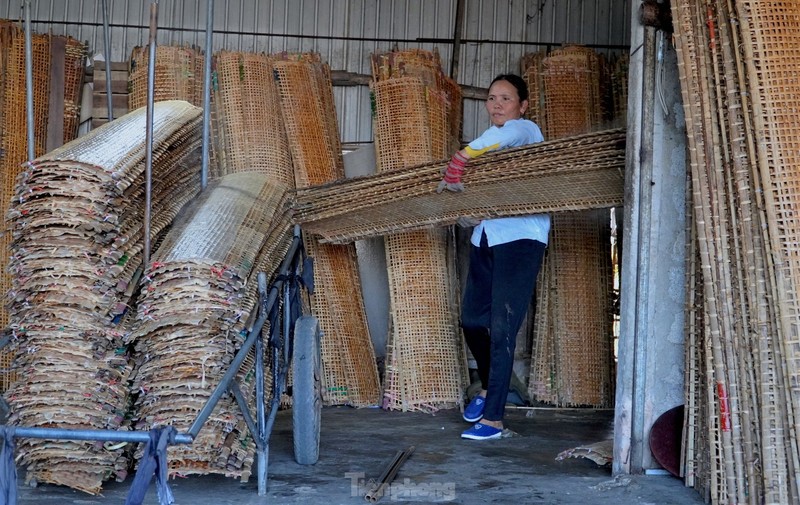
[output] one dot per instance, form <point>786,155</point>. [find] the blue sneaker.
<point>474,411</point>
<point>482,432</point>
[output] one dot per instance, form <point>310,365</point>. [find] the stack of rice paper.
<point>190,312</point>
<point>77,230</point>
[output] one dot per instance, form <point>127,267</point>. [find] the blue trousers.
<point>500,285</point>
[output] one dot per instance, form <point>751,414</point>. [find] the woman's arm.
<point>452,175</point>
<point>513,133</point>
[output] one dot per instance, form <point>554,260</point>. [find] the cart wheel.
<point>306,390</point>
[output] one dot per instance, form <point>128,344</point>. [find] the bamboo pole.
<point>29,119</point>
<point>731,329</point>
<point>696,117</point>
<point>151,82</point>
<point>777,267</point>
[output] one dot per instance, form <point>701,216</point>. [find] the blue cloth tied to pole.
<point>8,470</point>
<point>154,460</point>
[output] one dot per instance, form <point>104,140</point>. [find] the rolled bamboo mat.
<point>310,122</point>
<point>186,330</point>
<point>542,381</point>
<point>531,71</point>
<point>577,79</point>
<point>178,75</point>
<point>425,66</point>
<point>572,83</point>
<point>425,361</point>
<point>249,129</point>
<point>405,97</point>
<point>571,366</point>
<point>575,173</point>
<point>572,360</point>
<point>75,244</point>
<point>306,100</point>
<point>425,367</point>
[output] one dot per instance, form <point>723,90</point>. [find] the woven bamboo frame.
<point>743,193</point>
<point>572,352</point>
<point>249,127</point>
<point>13,138</point>
<point>349,365</point>
<point>571,363</point>
<point>414,123</point>
<point>73,79</point>
<point>178,75</point>
<point>572,102</point>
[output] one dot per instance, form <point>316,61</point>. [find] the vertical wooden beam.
<point>55,123</point>
<point>457,32</point>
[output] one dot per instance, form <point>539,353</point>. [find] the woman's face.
<point>503,103</point>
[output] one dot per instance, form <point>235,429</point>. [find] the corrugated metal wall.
<point>345,32</point>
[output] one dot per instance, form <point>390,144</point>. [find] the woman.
<point>505,257</point>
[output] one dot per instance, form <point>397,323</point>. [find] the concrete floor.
<point>356,445</point>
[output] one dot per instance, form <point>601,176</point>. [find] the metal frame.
<point>29,81</point>
<point>107,50</point>
<point>261,427</point>
<point>207,91</point>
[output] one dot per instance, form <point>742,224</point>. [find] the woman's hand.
<point>452,176</point>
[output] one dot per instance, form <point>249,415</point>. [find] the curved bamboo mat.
<point>250,134</point>
<point>188,316</point>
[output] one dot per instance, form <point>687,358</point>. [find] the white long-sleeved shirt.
<point>514,133</point>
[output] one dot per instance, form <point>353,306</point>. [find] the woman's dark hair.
<point>516,81</point>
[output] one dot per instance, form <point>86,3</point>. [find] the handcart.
<point>292,342</point>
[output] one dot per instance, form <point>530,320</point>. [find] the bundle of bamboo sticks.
<point>735,59</point>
